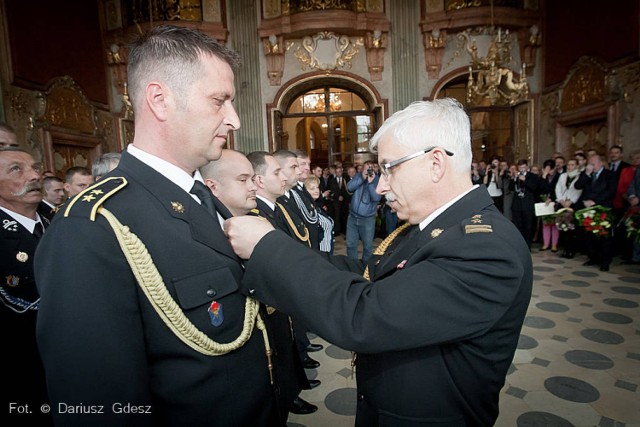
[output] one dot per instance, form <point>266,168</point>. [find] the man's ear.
<point>438,164</point>
<point>213,184</point>
<point>156,97</point>
<point>259,180</point>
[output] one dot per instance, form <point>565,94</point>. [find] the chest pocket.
<point>199,289</point>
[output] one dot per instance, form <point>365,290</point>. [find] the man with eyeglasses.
<point>436,317</point>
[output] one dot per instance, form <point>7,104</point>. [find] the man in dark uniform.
<point>20,193</point>
<point>296,198</point>
<point>233,181</point>
<point>437,323</point>
<point>162,336</point>
<point>290,220</point>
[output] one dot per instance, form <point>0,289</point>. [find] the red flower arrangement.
<point>596,219</point>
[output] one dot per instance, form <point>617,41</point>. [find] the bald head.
<point>230,180</point>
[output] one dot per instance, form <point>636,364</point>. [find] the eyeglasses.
<point>386,167</point>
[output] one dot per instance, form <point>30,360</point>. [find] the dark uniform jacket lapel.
<point>181,206</point>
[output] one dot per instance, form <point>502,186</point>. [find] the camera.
<point>370,171</point>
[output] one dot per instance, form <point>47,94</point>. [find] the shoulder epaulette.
<point>476,224</point>
<point>86,203</point>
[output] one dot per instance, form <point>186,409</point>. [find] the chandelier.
<point>493,80</point>
<point>315,102</point>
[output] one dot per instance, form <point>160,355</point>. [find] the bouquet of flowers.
<point>564,219</point>
<point>631,223</point>
<point>596,219</point>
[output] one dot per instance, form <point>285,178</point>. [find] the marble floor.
<point>577,362</point>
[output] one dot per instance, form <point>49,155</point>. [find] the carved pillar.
<point>376,44</point>
<point>433,51</point>
<point>274,52</point>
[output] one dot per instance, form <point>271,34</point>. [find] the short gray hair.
<point>441,122</point>
<point>105,164</point>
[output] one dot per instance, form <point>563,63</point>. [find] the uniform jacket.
<point>294,225</point>
<point>436,329</point>
<point>101,340</point>
<point>23,377</point>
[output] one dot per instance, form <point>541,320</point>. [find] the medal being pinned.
<point>215,313</point>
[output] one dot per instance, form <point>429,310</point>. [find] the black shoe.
<point>604,267</point>
<point>302,407</point>
<point>309,363</point>
<point>314,347</point>
<point>314,383</point>
<point>589,262</point>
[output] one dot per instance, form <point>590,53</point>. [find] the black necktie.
<point>204,194</point>
<point>38,230</point>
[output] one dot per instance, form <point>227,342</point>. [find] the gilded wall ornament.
<point>327,51</point>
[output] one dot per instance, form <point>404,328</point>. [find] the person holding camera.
<point>493,181</point>
<point>525,187</point>
<point>361,223</point>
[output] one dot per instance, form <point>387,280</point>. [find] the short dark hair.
<point>258,161</point>
<point>47,180</point>
<point>619,147</point>
<point>523,162</point>
<point>174,53</point>
<point>72,171</point>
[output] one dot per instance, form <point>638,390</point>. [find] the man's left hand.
<point>244,233</point>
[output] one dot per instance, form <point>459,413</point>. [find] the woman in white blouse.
<point>567,196</point>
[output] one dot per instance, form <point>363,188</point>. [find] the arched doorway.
<point>331,118</point>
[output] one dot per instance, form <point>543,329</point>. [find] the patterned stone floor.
<point>577,363</point>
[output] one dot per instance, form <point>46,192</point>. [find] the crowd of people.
<point>175,284</point>
<point>585,180</point>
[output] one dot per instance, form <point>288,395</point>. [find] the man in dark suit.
<point>161,336</point>
<point>616,161</point>
<point>437,320</point>
<point>22,226</point>
<point>598,186</point>
<point>525,187</point>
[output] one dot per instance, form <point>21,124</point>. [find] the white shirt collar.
<point>428,220</point>
<point>48,204</point>
<point>267,202</point>
<point>170,171</point>
<point>26,222</point>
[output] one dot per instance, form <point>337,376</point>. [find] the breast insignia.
<point>177,206</point>
<point>86,203</point>
<point>436,232</point>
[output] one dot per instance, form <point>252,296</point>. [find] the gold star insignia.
<point>436,232</point>
<point>476,221</point>
<point>177,206</point>
<point>97,191</point>
<point>478,216</point>
<point>88,198</point>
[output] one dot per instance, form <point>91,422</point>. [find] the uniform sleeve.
<point>89,327</point>
<point>454,291</point>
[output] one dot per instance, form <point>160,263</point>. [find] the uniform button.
<point>360,397</point>
<point>252,292</point>
<point>211,293</point>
